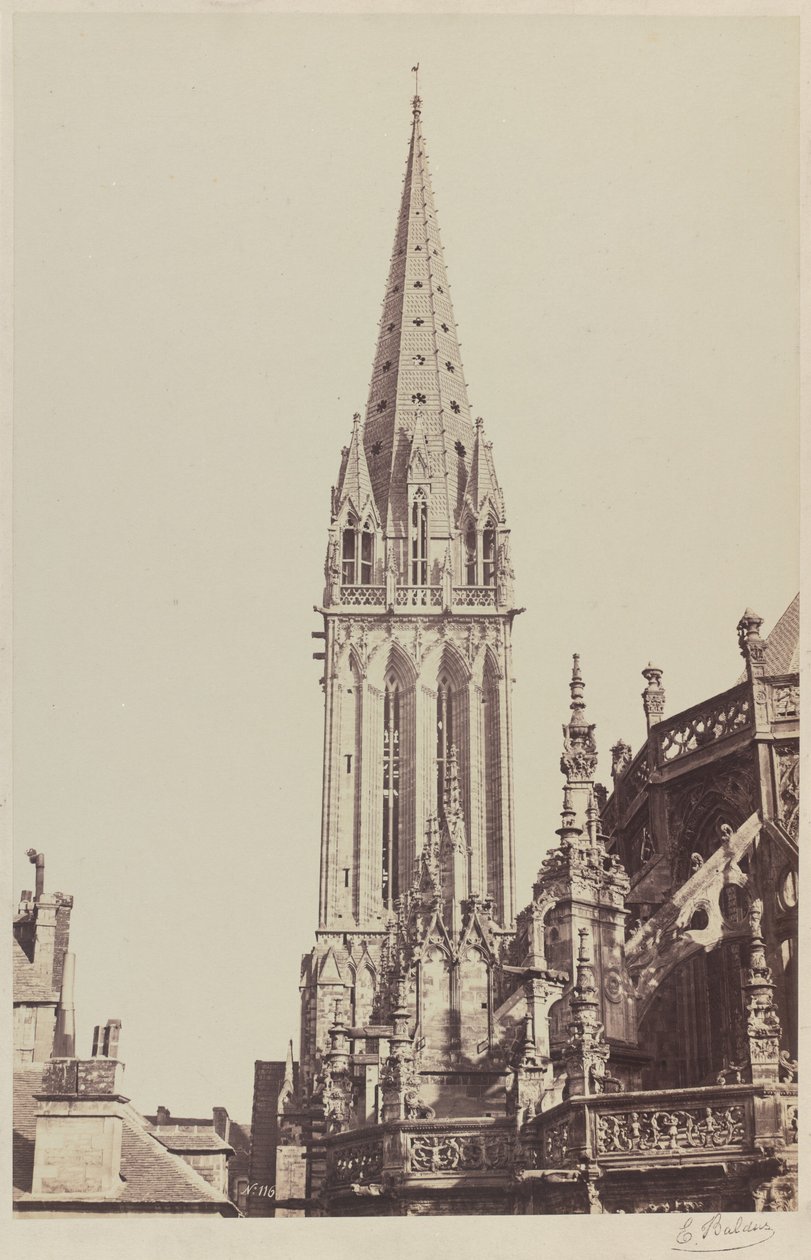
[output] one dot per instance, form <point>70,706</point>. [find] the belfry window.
<point>489,553</point>
<point>391,789</point>
<point>470,556</point>
<point>444,739</point>
<point>419,539</point>
<point>366,554</point>
<point>348,555</point>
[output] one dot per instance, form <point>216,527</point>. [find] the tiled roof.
<point>150,1174</point>
<point>418,365</point>
<point>782,655</point>
<point>783,643</point>
<point>191,1140</point>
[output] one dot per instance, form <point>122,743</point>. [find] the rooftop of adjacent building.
<point>151,1175</point>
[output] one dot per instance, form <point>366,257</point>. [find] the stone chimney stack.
<point>105,1040</point>
<point>38,861</point>
<point>65,1030</point>
<point>79,1128</point>
<point>222,1122</point>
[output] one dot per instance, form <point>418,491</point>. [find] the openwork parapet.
<point>726,715</point>
<point>474,596</point>
<point>363,596</point>
<point>662,1132</point>
<point>457,1152</point>
<point>359,1162</point>
<point>418,597</point>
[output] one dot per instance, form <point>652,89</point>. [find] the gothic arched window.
<point>470,556</point>
<point>391,789</point>
<point>419,539</point>
<point>367,543</point>
<point>489,553</point>
<point>444,738</point>
<point>348,554</point>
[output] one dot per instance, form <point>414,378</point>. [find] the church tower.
<point>417,614</point>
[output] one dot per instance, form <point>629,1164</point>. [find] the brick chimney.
<point>79,1128</point>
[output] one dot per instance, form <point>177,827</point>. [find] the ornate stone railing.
<point>418,597</point>
<point>663,1132</point>
<point>702,725</point>
<point>667,1124</point>
<point>356,1161</point>
<point>458,1152</point>
<point>362,1161</point>
<point>474,596</point>
<point>363,596</point>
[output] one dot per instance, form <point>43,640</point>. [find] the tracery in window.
<point>419,539</point>
<point>391,789</point>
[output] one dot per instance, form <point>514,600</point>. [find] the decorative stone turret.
<point>399,1077</point>
<point>653,697</point>
<point>581,886</point>
<point>753,651</point>
<point>763,1023</point>
<point>579,759</point>
<point>585,1053</point>
<point>531,1072</point>
<point>337,1092</point>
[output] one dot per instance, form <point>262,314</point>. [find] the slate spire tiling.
<point>417,365</point>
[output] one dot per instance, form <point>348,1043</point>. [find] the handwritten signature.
<point>711,1234</point>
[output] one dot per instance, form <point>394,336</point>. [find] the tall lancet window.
<point>489,553</point>
<point>419,539</point>
<point>367,543</point>
<point>470,556</point>
<point>444,739</point>
<point>348,554</point>
<point>391,789</point>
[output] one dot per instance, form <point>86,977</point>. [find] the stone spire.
<point>454,847</point>
<point>585,1054</point>
<point>579,759</point>
<point>417,364</point>
<point>482,485</point>
<point>354,483</point>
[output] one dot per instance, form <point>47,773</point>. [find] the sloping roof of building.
<point>783,642</point>
<point>782,654</point>
<point>150,1174</point>
<point>191,1140</point>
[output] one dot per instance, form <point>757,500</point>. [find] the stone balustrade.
<point>681,1125</point>
<point>426,598</point>
<point>702,725</point>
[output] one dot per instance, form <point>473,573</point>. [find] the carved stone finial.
<point>579,760</point>
<point>749,632</point>
<point>621,758</point>
<point>576,686</point>
<point>653,697</point>
<point>453,797</point>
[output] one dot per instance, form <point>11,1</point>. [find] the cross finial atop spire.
<point>416,103</point>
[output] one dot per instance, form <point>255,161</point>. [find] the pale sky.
<point>205,208</point>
